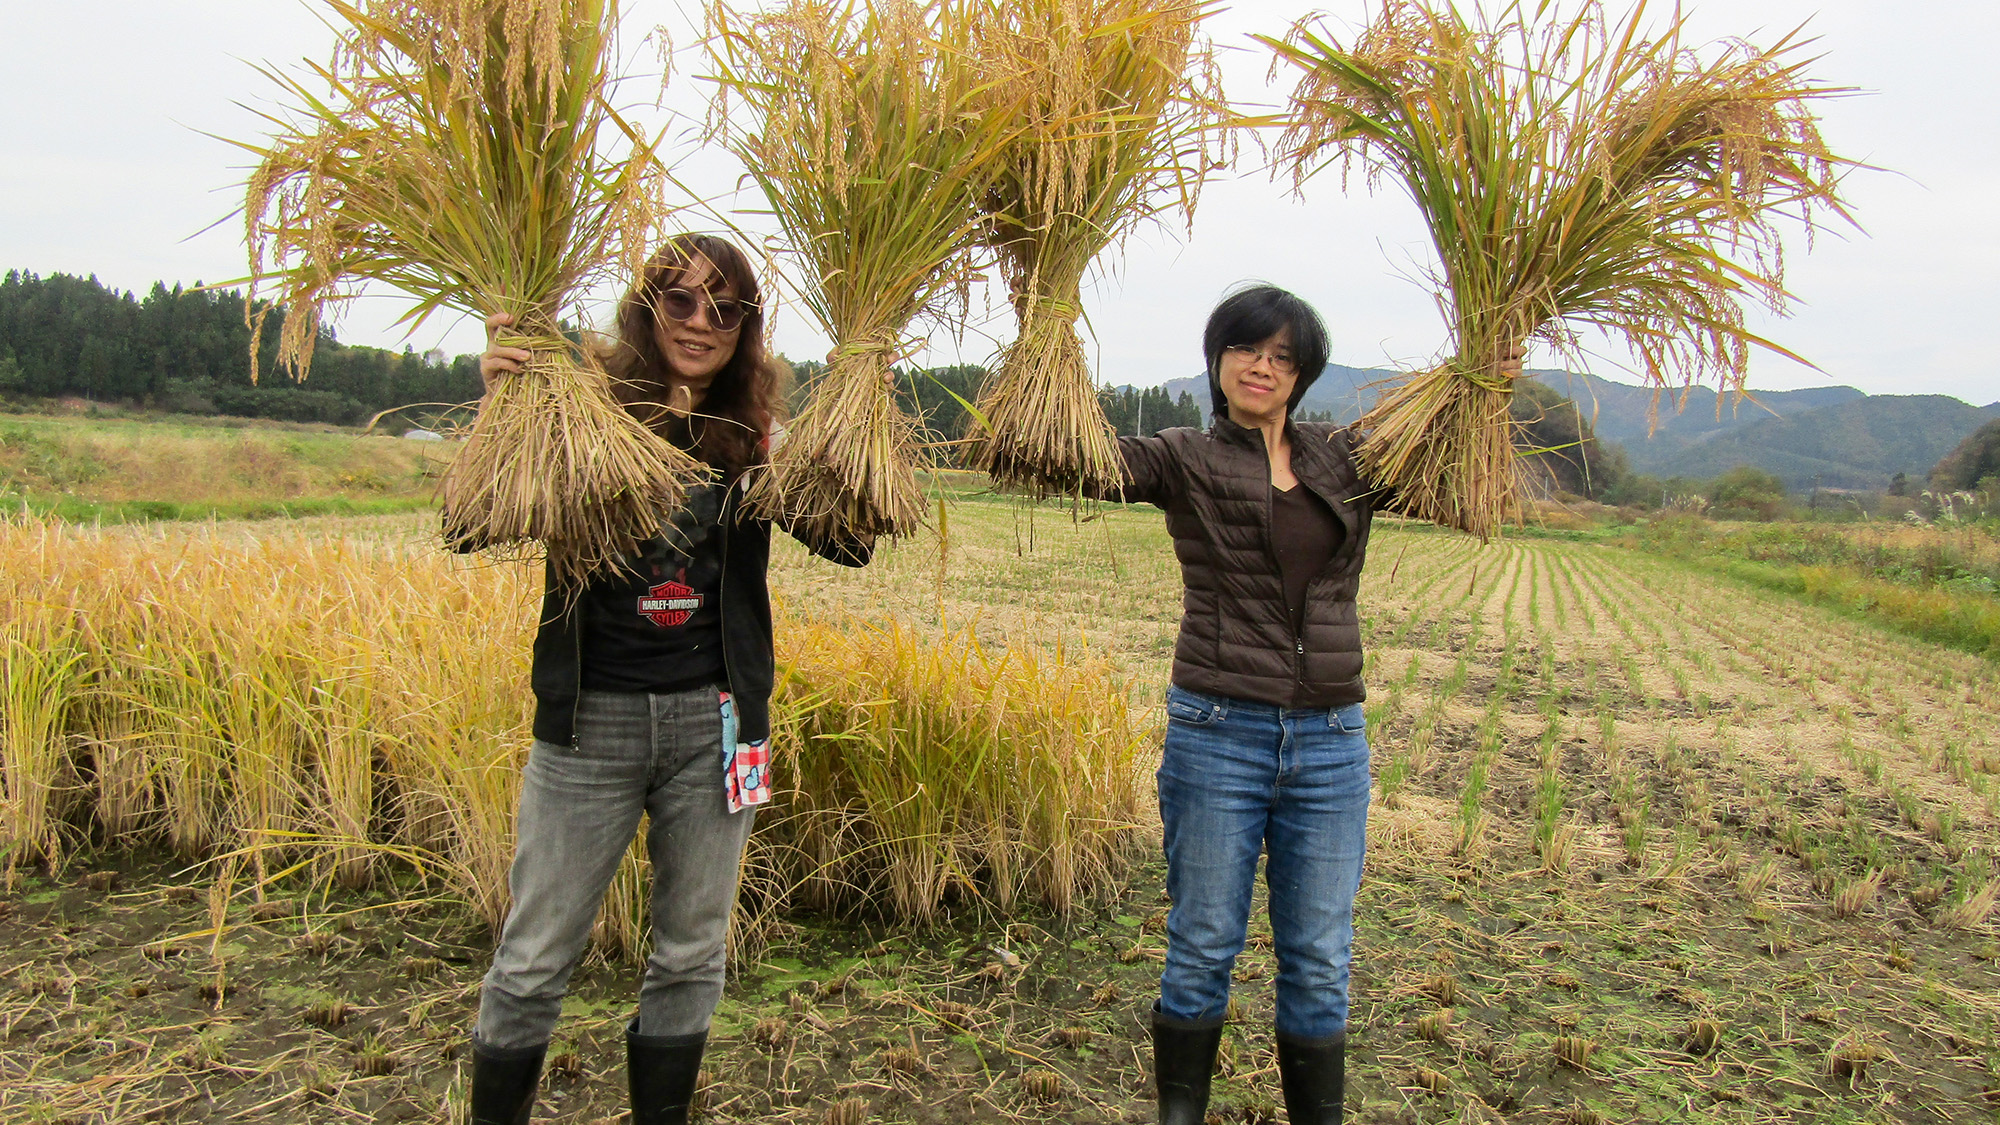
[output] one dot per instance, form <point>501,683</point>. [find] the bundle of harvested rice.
<point>862,126</point>
<point>1575,172</point>
<point>462,151</point>
<point>1122,116</point>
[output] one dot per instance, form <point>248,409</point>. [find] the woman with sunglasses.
<point>652,686</point>
<point>1266,751</point>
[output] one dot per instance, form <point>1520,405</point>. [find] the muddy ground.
<point>1755,895</point>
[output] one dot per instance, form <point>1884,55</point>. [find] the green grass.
<point>1937,583</point>
<point>128,470</point>
<point>76,510</point>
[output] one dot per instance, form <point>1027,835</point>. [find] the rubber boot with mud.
<point>1183,1061</point>
<point>662,1071</point>
<point>503,1083</point>
<point>1313,1073</point>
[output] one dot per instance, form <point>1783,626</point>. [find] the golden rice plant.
<point>1122,116</point>
<point>865,128</point>
<point>40,671</point>
<point>1571,172</point>
<point>915,772</point>
<point>465,152</point>
<point>280,700</point>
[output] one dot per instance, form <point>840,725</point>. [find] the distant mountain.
<point>1847,438</point>
<point>1639,417</point>
<point>1619,412</point>
<point>1858,444</point>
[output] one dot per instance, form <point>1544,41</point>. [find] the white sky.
<point>107,170</point>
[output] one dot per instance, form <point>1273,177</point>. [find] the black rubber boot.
<point>1314,1075</point>
<point>503,1083</point>
<point>662,1070</point>
<point>1183,1061</point>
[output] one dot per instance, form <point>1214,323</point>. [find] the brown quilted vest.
<point>1236,636</point>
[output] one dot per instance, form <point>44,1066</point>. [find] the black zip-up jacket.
<point>745,545</point>
<point>1237,637</point>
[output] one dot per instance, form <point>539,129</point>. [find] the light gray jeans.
<point>656,754</point>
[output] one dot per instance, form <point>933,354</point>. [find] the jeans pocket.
<point>1349,718</point>
<point>1185,706</point>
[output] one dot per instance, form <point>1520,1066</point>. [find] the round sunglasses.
<point>723,315</point>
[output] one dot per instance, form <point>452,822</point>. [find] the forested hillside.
<point>1861,444</point>
<point>1974,461</point>
<point>188,351</point>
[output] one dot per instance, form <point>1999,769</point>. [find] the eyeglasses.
<point>1281,362</point>
<point>723,315</point>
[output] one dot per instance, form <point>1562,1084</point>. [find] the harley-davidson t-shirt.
<point>655,623</point>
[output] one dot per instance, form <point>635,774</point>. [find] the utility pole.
<point>1139,427</point>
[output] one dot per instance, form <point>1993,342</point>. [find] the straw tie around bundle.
<point>848,463</point>
<point>557,430</point>
<point>1046,429</point>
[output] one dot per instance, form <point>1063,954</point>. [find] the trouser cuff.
<point>508,1054</point>
<point>1161,1019</point>
<point>691,1039</point>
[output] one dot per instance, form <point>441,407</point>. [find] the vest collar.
<point>1223,428</point>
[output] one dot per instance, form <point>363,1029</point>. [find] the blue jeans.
<point>660,755</point>
<point>1237,778</point>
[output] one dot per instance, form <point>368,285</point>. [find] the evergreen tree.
<point>187,350</point>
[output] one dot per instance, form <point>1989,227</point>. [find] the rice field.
<point>1648,846</point>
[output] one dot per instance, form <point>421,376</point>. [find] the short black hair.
<point>1253,314</point>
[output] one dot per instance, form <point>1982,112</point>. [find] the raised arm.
<point>847,550</point>
<point>1152,473</point>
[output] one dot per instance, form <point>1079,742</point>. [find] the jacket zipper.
<point>576,664</point>
<point>728,520</point>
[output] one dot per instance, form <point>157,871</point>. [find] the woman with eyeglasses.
<point>1265,749</point>
<point>652,685</point>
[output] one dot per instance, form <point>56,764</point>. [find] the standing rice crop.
<point>465,152</point>
<point>864,129</point>
<point>1121,111</point>
<point>40,674</point>
<point>1570,172</point>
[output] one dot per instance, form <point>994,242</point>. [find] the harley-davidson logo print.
<point>669,604</point>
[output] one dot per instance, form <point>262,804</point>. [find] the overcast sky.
<point>108,170</point>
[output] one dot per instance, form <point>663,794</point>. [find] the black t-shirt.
<point>1304,534</point>
<point>655,624</point>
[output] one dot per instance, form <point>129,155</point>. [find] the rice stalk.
<point>287,700</point>
<point>1571,172</point>
<point>866,130</point>
<point>465,153</point>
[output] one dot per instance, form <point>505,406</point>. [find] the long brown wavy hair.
<point>729,430</point>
